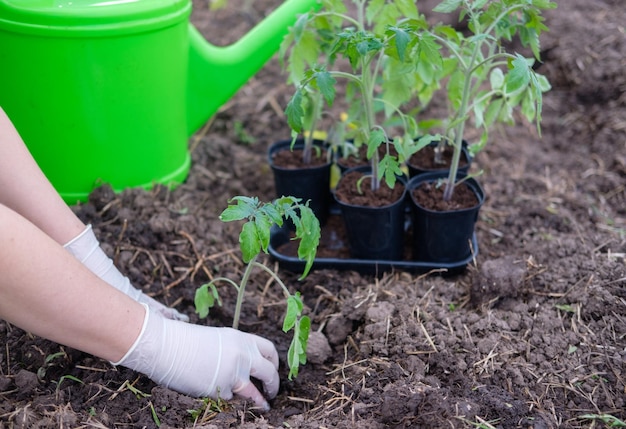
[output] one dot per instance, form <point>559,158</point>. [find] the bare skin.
<point>50,290</point>
<point>52,300</point>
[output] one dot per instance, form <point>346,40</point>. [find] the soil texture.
<point>531,335</point>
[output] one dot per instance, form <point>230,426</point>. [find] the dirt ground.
<point>531,335</point>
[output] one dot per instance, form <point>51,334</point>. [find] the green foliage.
<point>484,81</point>
<point>378,43</point>
<point>254,238</point>
<point>608,419</point>
<point>301,326</point>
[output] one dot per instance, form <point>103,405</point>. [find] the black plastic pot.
<point>442,236</point>
<point>415,170</point>
<point>375,233</point>
<point>311,183</point>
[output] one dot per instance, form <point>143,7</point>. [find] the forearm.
<point>46,291</point>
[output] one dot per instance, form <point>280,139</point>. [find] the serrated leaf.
<point>447,6</point>
<point>326,84</point>
<point>492,112</point>
<point>376,137</point>
<point>295,112</point>
<point>294,309</point>
<point>296,355</point>
<point>309,232</point>
<point>408,9</point>
<point>402,39</point>
<point>373,9</point>
<point>518,76</point>
<point>242,209</point>
<point>263,225</point>
<point>272,212</point>
<point>249,242</point>
<point>389,168</point>
<point>455,88</point>
<point>496,79</point>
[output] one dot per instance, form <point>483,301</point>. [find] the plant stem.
<point>275,277</point>
<point>241,291</point>
<point>460,128</point>
<point>316,100</point>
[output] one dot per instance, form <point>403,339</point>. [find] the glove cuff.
<point>132,348</point>
<point>83,245</point>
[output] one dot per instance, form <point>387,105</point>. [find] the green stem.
<point>242,290</point>
<point>460,128</point>
<point>275,277</point>
<point>339,15</point>
<point>308,139</point>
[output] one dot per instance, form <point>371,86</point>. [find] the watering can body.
<point>110,91</point>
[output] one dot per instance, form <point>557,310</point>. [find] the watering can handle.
<point>217,72</point>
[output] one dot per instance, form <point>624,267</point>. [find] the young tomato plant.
<point>376,43</point>
<point>254,238</point>
<point>484,80</point>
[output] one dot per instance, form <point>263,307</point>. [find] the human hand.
<point>204,361</point>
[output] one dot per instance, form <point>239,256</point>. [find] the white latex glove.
<point>86,248</point>
<point>204,361</point>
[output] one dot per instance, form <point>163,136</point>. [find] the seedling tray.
<point>333,253</point>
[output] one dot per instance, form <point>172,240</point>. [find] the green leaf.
<point>205,299</point>
<point>296,355</point>
<point>496,79</point>
<point>309,232</point>
<point>272,212</point>
<point>249,241</point>
<point>263,225</point>
<point>373,9</point>
<point>294,309</point>
<point>243,209</point>
<point>295,112</point>
<point>518,76</point>
<point>389,168</point>
<point>326,84</point>
<point>455,88</point>
<point>402,39</point>
<point>408,9</point>
<point>447,6</point>
<point>492,112</point>
<point>376,138</point>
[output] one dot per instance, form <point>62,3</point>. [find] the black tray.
<point>281,235</point>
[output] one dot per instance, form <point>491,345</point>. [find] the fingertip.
<point>249,391</point>
<point>267,350</point>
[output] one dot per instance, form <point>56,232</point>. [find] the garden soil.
<point>531,335</point>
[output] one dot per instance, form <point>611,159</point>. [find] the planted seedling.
<point>485,81</point>
<point>254,238</point>
<point>379,36</point>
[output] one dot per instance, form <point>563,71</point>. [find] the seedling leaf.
<point>249,241</point>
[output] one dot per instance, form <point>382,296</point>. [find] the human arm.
<point>25,189</point>
<point>46,291</point>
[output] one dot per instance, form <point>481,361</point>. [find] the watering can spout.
<point>215,73</point>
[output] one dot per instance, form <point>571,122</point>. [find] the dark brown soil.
<point>430,195</point>
<point>424,159</point>
<point>532,334</point>
<point>293,159</point>
<point>355,188</point>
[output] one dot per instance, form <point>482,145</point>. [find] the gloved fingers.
<point>250,392</point>
<point>266,371</point>
<point>173,314</point>
<point>163,310</point>
<point>267,349</point>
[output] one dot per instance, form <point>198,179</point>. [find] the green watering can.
<point>109,91</point>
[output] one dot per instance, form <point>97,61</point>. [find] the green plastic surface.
<point>110,91</point>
